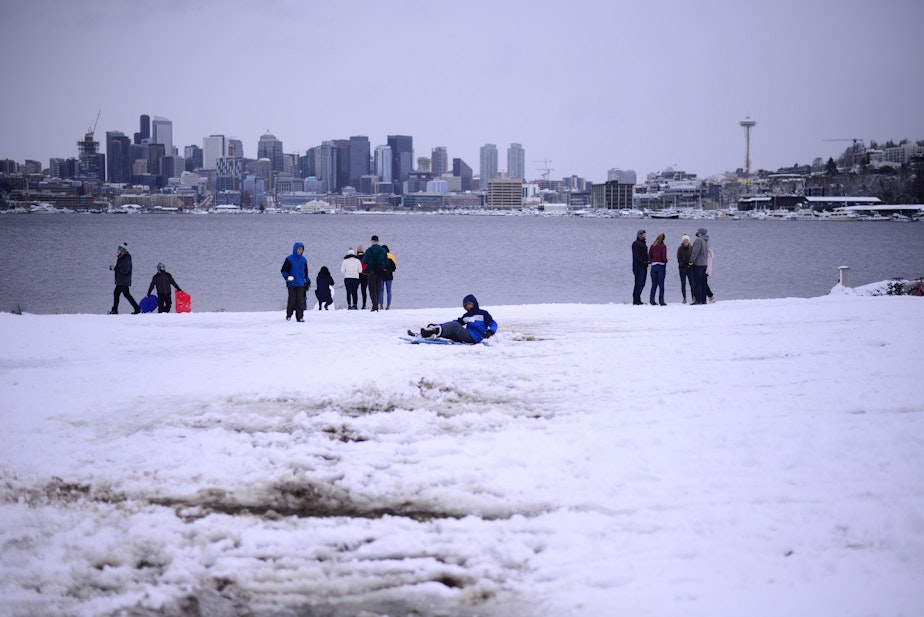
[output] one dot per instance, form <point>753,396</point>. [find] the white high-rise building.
<point>214,147</point>
<point>162,133</point>
<point>516,161</point>
<point>383,156</point>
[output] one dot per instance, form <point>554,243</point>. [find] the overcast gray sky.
<point>587,84</point>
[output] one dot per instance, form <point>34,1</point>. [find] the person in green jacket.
<point>374,258</point>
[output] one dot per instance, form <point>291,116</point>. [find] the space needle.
<point>747,124</point>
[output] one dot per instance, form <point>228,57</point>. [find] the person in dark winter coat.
<point>700,259</point>
<point>374,258</point>
<point>388,275</point>
<point>323,284</point>
<point>162,281</point>
<point>639,265</point>
<point>123,280</point>
<point>472,327</point>
<point>685,265</point>
<point>295,272</point>
<point>363,276</point>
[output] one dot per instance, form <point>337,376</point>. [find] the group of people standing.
<point>694,262</point>
<point>370,271</point>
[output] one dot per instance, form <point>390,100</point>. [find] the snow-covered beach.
<point>751,457</point>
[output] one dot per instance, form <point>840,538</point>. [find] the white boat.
<point>836,216</point>
<point>663,214</point>
<point>631,213</point>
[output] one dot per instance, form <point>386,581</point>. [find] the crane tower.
<point>747,124</point>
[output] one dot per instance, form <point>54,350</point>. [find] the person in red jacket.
<point>657,256</point>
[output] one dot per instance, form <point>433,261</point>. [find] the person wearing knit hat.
<point>639,266</point>
<point>351,267</point>
<point>685,265</point>
<point>123,280</point>
<point>700,259</point>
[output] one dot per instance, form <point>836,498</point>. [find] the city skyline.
<point>665,89</point>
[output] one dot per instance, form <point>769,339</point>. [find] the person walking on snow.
<point>123,280</point>
<point>295,273</point>
<point>163,280</point>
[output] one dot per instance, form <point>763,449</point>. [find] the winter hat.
<point>641,232</point>
<point>351,252</point>
<point>123,247</point>
<point>685,237</point>
<point>701,231</point>
<point>161,267</point>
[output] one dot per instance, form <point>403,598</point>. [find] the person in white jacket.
<point>350,268</point>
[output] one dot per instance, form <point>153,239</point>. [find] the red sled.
<point>183,304</point>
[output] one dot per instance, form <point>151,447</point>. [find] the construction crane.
<point>545,169</point>
<point>853,139</point>
<point>92,131</point>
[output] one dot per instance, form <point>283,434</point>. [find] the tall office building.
<point>383,160</point>
<point>488,164</point>
<point>270,148</point>
<point>463,171</point>
<point>145,130</point>
<point>343,162</point>
<point>516,161</point>
<point>235,147</point>
<point>326,166</point>
<point>193,156</point>
<point>91,163</point>
<point>118,161</point>
<point>162,133</point>
<point>402,157</point>
<point>439,161</point>
<point>359,159</point>
<point>213,148</point>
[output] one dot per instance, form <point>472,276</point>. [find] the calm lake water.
<point>60,263</point>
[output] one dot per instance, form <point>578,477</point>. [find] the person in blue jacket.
<point>295,272</point>
<point>472,327</point>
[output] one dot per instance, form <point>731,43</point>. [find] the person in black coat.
<point>639,265</point>
<point>163,281</point>
<point>123,280</point>
<point>324,282</point>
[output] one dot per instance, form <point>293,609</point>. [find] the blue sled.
<point>416,340</point>
<point>148,304</point>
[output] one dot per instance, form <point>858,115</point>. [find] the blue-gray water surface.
<point>60,263</point>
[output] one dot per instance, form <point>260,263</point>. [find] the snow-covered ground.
<point>756,457</point>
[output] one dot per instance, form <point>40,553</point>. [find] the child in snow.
<point>472,327</point>
<point>162,281</point>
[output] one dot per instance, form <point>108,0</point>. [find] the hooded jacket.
<point>639,253</point>
<point>296,266</point>
<point>162,281</point>
<point>477,321</point>
<point>700,254</point>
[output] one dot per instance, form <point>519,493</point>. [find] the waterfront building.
<point>193,156</point>
<point>516,161</point>
<point>505,193</point>
<point>618,194</point>
<point>488,163</point>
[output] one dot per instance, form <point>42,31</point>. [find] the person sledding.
<point>471,328</point>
